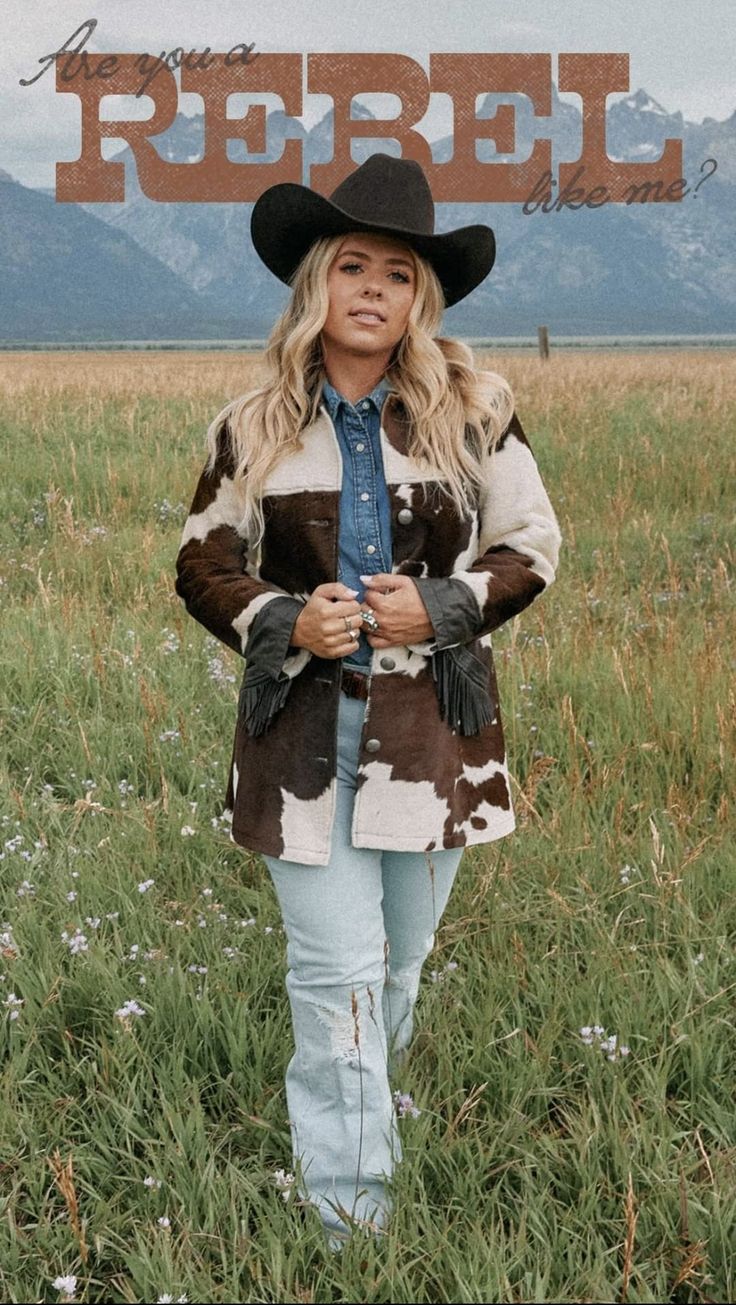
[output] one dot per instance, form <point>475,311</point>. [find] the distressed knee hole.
<point>341,1027</point>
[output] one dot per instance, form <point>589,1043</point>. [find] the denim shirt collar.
<point>332,397</point>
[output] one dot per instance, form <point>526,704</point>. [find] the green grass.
<point>538,1170</point>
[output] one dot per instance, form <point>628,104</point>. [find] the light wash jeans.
<point>358,932</point>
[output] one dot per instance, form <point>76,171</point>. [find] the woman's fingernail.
<point>353,591</point>
<point>365,577</point>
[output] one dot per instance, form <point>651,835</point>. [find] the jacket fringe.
<point>260,698</point>
<point>461,682</point>
<point>462,689</point>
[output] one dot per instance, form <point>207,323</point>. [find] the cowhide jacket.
<point>432,769</point>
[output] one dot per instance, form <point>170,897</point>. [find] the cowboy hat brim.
<point>288,218</point>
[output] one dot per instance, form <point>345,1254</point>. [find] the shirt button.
<point>364,405</point>
<point>372,745</point>
<point>405,516</point>
<point>371,548</point>
<point>365,496</point>
<point>388,663</point>
<point>360,447</point>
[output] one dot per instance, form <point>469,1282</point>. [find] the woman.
<point>366,518</point>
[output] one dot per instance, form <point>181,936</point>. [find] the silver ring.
<point>346,619</point>
<point>370,620</point>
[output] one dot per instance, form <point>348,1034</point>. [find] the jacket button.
<point>372,745</point>
<point>388,663</point>
<point>405,516</point>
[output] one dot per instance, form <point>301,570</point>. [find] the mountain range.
<point>142,270</point>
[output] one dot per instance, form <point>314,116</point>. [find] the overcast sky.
<point>681,54</point>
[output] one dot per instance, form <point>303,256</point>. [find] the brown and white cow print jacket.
<point>432,770</point>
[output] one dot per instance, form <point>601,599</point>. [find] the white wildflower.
<point>6,940</point>
<point>609,1045</point>
<point>284,1182</point>
<point>129,1008</point>
<point>404,1104</point>
<point>66,1283</point>
<point>77,942</point>
<point>13,1003</point>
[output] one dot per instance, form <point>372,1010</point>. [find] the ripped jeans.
<point>358,932</point>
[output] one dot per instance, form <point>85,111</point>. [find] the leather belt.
<point>354,684</point>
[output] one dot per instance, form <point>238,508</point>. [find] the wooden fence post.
<point>543,341</point>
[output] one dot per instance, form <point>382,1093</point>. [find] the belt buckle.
<point>353,683</point>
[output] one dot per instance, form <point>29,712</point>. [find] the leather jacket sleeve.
<point>519,543</point>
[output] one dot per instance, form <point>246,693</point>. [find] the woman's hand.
<point>320,626</point>
<point>400,612</point>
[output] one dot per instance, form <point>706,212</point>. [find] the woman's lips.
<point>368,320</point>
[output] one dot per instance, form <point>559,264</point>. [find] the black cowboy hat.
<point>387,195</point>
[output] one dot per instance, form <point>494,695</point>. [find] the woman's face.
<point>371,284</point>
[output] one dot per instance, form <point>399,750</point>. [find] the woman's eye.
<point>349,267</point>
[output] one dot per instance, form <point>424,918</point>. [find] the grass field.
<point>541,1167</point>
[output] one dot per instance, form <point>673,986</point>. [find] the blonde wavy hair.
<point>456,413</point>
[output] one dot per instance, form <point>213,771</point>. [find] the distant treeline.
<point>506,342</point>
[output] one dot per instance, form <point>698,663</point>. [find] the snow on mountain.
<point>643,103</point>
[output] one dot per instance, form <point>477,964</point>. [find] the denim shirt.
<point>365,541</point>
